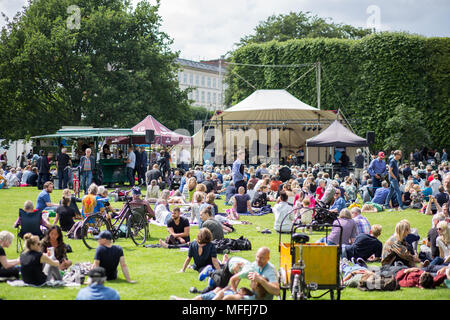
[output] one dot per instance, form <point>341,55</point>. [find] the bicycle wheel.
<point>137,228</point>
<point>91,228</point>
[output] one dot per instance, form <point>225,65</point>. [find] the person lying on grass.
<point>220,294</point>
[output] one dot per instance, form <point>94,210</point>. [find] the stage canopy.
<point>336,135</point>
<point>163,135</point>
<point>269,110</point>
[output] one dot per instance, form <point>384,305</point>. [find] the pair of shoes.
<point>267,231</point>
<point>361,262</point>
<point>193,290</point>
<point>205,272</point>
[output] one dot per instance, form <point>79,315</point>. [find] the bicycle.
<point>134,219</point>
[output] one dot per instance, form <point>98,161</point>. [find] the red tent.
<point>163,135</point>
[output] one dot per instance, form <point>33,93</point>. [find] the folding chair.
<point>18,240</point>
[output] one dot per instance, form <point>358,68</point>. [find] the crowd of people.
<point>288,192</point>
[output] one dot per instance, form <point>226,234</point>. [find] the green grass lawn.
<point>155,269</point>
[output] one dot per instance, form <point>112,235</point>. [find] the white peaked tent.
<point>258,119</point>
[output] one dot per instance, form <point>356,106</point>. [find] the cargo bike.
<point>307,267</point>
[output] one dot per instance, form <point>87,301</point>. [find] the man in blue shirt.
<point>377,170</point>
<point>43,201</point>
<point>96,289</point>
<point>393,180</point>
<point>237,171</point>
<point>381,193</point>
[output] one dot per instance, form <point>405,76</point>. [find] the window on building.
<point>191,78</point>
<point>185,78</point>
<point>203,96</point>
<point>203,81</point>
<point>196,96</point>
<point>214,98</point>
<point>197,79</point>
<point>209,82</point>
<point>209,97</point>
<point>214,83</point>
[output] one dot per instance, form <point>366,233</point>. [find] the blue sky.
<point>206,29</point>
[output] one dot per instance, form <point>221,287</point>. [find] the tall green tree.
<point>297,25</point>
<point>405,129</point>
<point>86,62</point>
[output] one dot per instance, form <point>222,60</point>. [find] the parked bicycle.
<point>131,221</point>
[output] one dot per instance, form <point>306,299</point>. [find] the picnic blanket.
<point>51,283</point>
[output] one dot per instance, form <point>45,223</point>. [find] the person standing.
<point>137,164</point>
<point>87,165</point>
<point>238,171</point>
<point>62,161</point>
<point>22,160</point>
<point>44,169</point>
<point>444,156</point>
<point>143,166</point>
<point>393,180</point>
<point>3,160</point>
<point>359,165</point>
<point>185,159</point>
<point>131,163</point>
<point>377,170</point>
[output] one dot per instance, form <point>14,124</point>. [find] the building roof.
<point>198,65</point>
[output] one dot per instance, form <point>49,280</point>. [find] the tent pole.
<point>307,156</point>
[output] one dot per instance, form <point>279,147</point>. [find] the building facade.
<point>206,78</point>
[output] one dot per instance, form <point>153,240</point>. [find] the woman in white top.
<point>443,243</point>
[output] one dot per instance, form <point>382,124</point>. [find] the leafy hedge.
<point>367,79</point>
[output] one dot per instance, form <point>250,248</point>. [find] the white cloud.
<point>206,29</point>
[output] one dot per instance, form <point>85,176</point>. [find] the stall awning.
<point>83,133</point>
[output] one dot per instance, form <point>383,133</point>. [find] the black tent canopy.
<point>336,135</point>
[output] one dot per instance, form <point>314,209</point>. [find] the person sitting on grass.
<point>283,214</point>
<point>362,224</point>
<point>241,203</point>
<point>366,246</point>
<point>209,222</point>
<point>381,194</point>
<point>339,202</point>
<point>43,201</point>
<point>32,262</point>
<point>67,193</point>
<point>96,289</point>
<point>8,268</point>
<point>348,230</point>
<point>90,204</point>
<point>54,239</point>
<point>179,230</point>
<point>263,277</point>
<point>396,249</point>
<point>108,256</point>
<point>153,192</point>
<point>220,294</point>
<point>203,251</point>
<point>65,215</point>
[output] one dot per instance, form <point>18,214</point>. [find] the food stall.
<point>110,166</point>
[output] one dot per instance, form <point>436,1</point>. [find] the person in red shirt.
<point>321,189</point>
<point>415,277</point>
<point>275,184</point>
